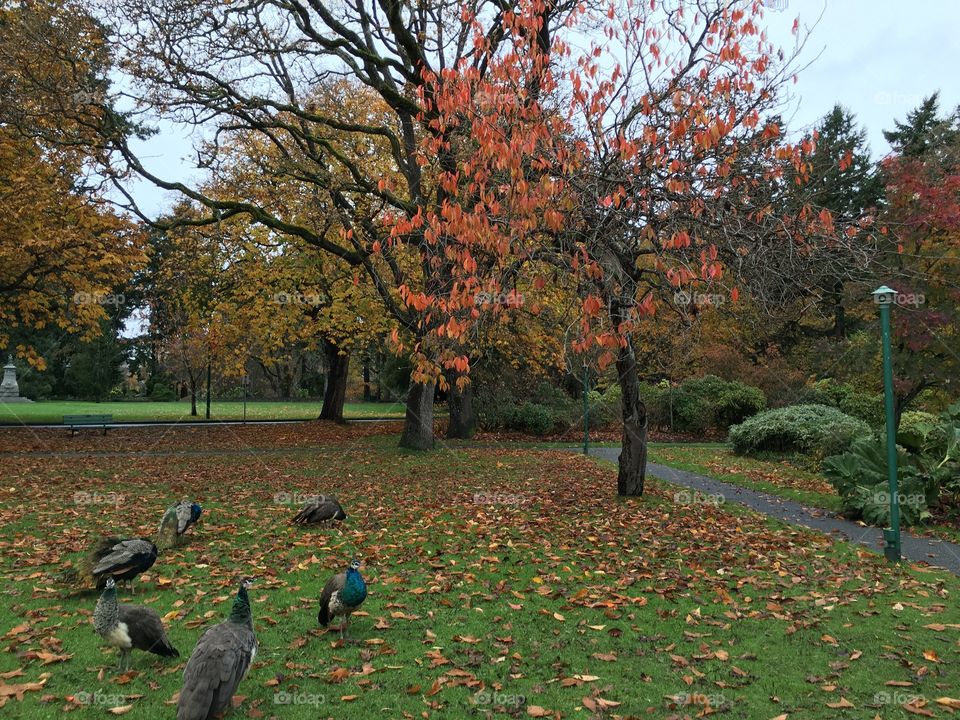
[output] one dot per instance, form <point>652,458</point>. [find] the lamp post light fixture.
<point>885,297</point>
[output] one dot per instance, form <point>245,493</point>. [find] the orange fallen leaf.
<point>841,703</point>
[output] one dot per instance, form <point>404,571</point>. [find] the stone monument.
<point>9,390</point>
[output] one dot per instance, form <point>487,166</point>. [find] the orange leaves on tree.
<point>592,305</point>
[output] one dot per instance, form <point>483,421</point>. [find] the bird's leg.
<point>344,627</point>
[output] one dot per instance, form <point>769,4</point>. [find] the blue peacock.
<point>177,519</point>
<point>341,596</point>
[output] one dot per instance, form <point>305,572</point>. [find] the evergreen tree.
<point>843,178</point>
<point>924,130</point>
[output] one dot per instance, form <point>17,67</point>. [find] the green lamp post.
<point>885,298</point>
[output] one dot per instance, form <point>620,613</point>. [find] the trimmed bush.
<point>737,403</point>
<point>865,406</point>
<point>702,403</point>
<point>816,430</point>
<point>531,418</point>
<point>692,412</point>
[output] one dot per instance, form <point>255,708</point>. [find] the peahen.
<point>320,509</point>
<point>177,519</point>
<point>129,627</point>
<point>121,559</point>
<point>341,596</point>
<point>218,663</point>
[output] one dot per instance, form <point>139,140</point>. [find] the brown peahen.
<point>130,627</point>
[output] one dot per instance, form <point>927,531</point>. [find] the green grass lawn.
<point>777,476</point>
<point>133,411</point>
<point>503,583</point>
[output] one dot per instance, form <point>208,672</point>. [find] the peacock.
<point>121,559</point>
<point>128,627</point>
<point>341,596</point>
<point>177,519</point>
<point>219,662</point>
<point>320,509</point>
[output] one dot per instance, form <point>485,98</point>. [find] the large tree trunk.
<point>418,424</point>
<point>632,465</point>
<point>463,421</point>
<point>336,390</point>
<point>193,397</point>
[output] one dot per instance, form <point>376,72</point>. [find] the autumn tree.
<point>63,250</point>
<point>921,215</point>
<point>191,273</point>
<point>685,159</point>
<point>294,296</point>
<point>842,178</point>
<point>459,89</point>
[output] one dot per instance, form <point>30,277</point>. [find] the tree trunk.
<point>336,390</point>
<point>367,395</point>
<point>463,421</point>
<point>632,465</point>
<point>193,398</point>
<point>418,424</point>
<point>902,401</point>
<point>839,313</point>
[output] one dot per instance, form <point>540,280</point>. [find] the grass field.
<point>503,583</point>
<point>779,477</point>
<point>134,411</point>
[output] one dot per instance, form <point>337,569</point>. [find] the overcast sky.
<point>879,58</point>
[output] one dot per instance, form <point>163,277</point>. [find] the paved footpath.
<point>937,552</point>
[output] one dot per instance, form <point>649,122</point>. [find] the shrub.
<point>564,410</point>
<point>860,478</point>
<point>692,412</point>
<point>605,407</point>
<point>865,406</point>
<point>737,403</point>
<point>161,386</point>
<point>920,430</point>
<point>824,392</point>
<point>656,398</point>
<point>708,386</point>
<point>709,401</point>
<point>530,418</point>
<point>816,430</point>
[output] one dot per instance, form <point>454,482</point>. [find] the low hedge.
<point>815,430</point>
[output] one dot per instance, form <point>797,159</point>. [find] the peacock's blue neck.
<point>354,589</point>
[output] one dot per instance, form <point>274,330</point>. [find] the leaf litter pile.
<point>503,583</point>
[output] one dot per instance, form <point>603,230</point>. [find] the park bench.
<point>77,422</point>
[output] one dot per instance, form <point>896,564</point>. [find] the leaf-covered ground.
<point>503,582</point>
